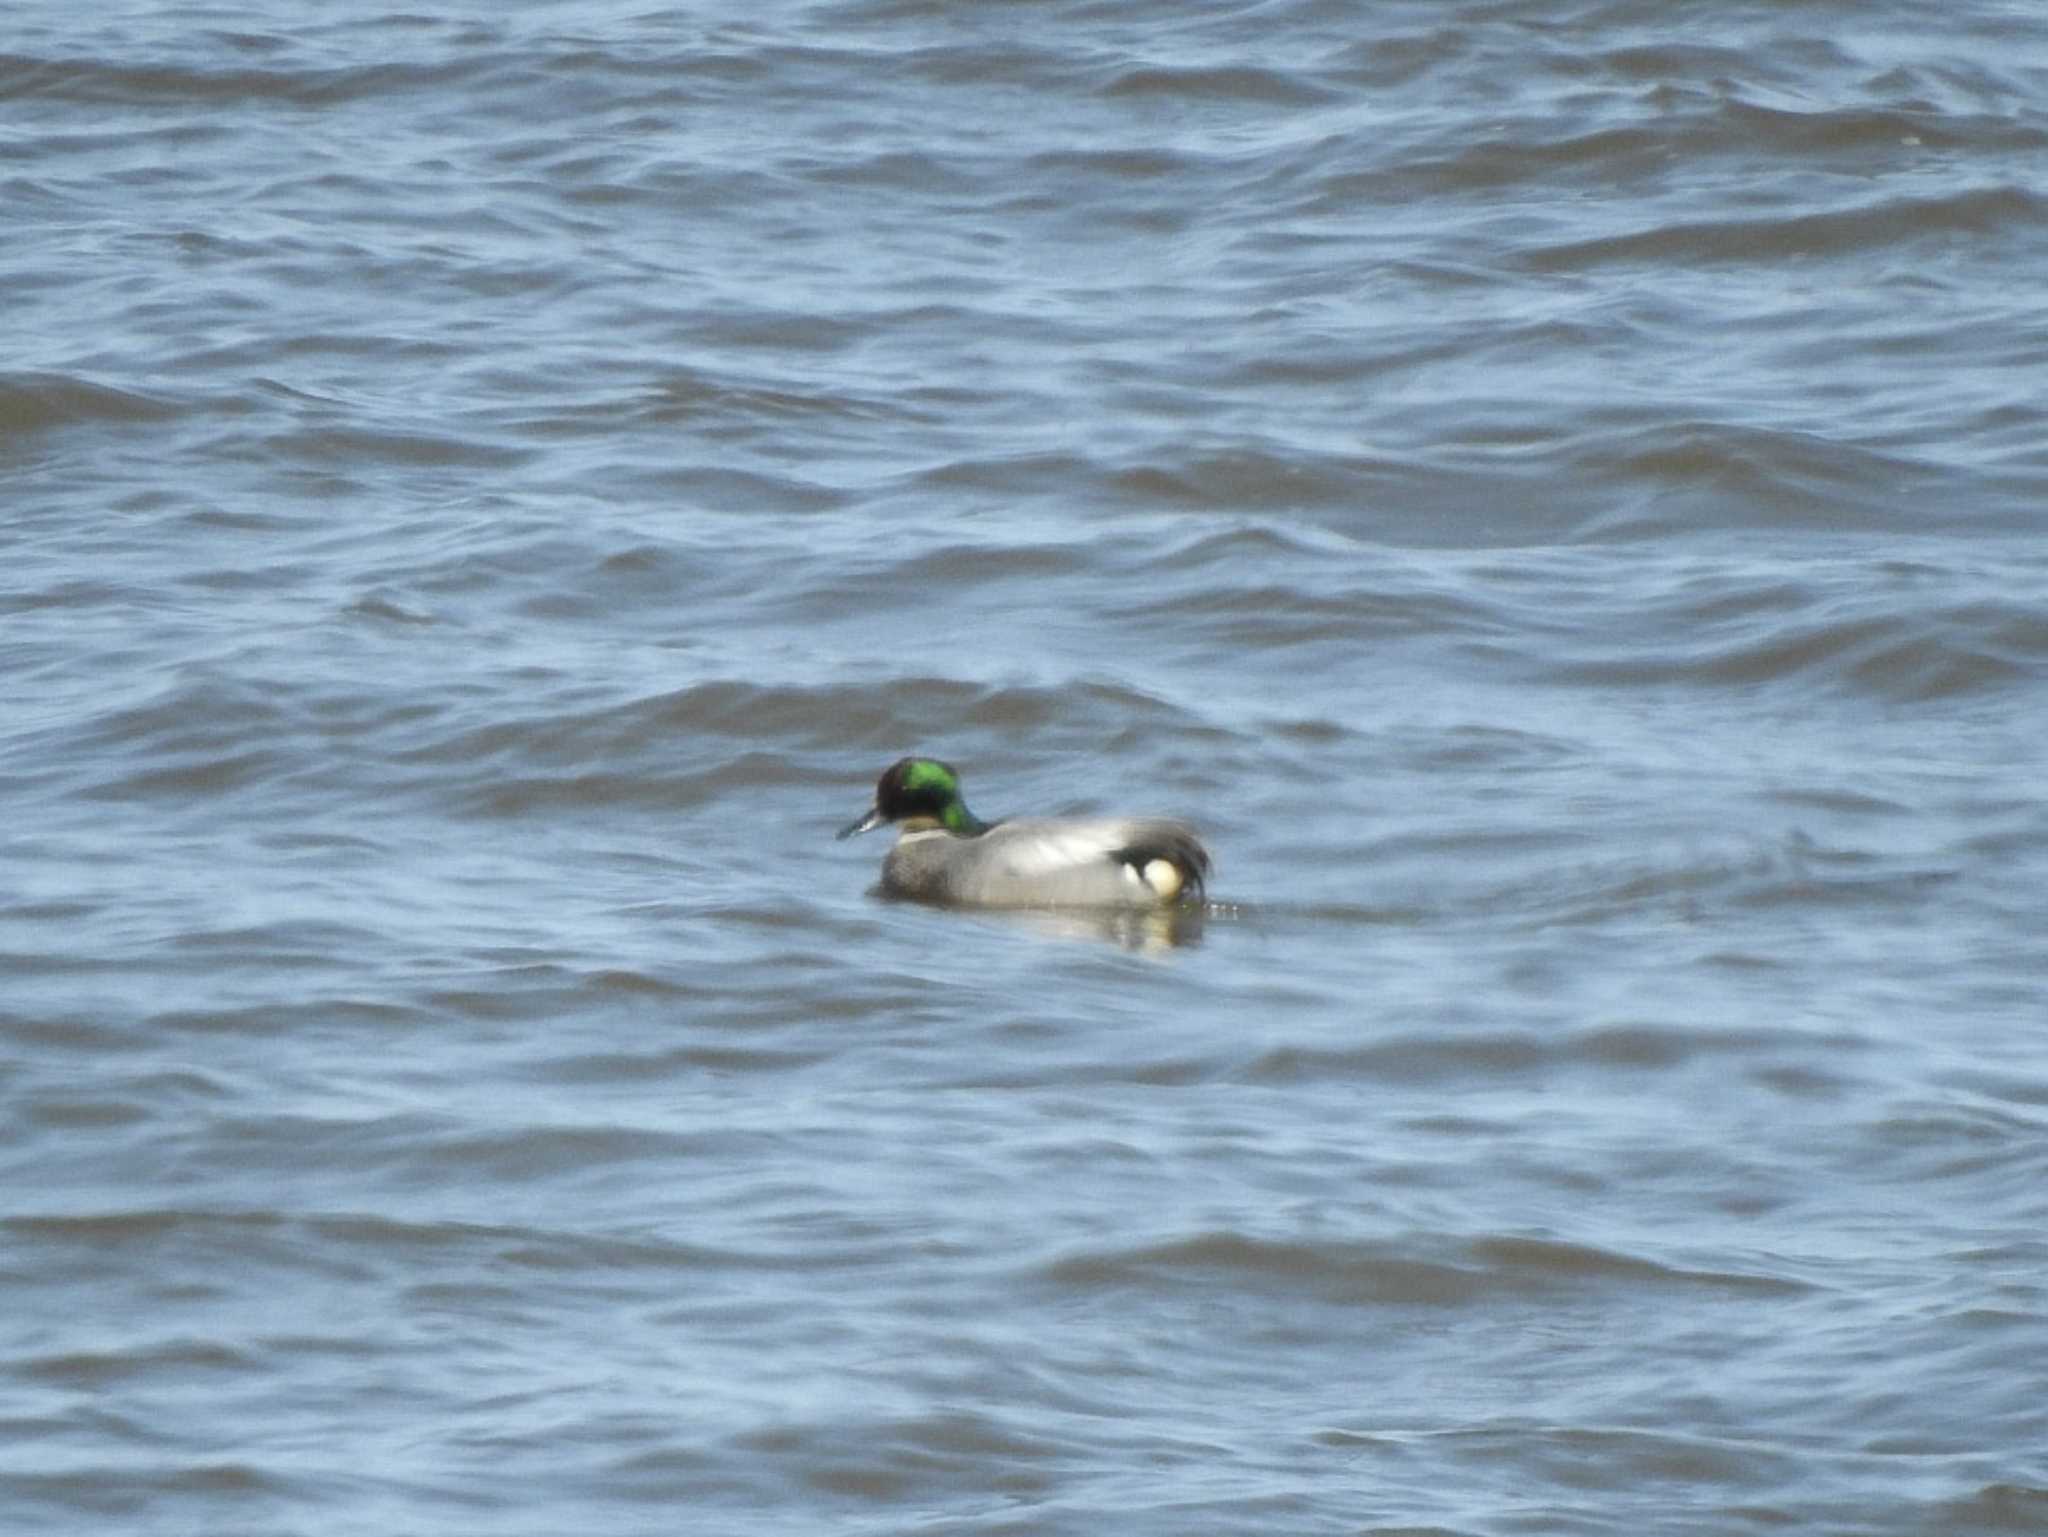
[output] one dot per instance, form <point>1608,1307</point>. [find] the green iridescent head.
<point>918,788</point>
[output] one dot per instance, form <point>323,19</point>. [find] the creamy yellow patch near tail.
<point>1163,876</point>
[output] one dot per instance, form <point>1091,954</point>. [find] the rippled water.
<point>1555,491</point>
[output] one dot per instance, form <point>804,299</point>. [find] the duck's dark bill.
<point>866,824</point>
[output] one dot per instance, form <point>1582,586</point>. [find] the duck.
<point>946,855</point>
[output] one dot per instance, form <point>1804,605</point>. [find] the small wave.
<point>378,606</point>
<point>31,402</point>
<point>1221,82</point>
<point>896,1461</point>
<point>99,1370</point>
<point>1624,1048</point>
<point>1342,1273</point>
<point>1010,475</point>
<point>1979,214</point>
<point>1427,1273</point>
<point>173,80</point>
<point>610,737</point>
<point>2004,1506</point>
<point>1904,656</point>
<point>361,446</point>
<point>1252,478</point>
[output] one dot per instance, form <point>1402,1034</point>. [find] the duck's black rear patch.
<point>1177,848</point>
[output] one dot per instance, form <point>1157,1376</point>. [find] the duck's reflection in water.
<point>1143,930</point>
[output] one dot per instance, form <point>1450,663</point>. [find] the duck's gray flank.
<point>946,854</point>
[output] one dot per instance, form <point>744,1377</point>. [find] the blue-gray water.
<point>1556,491</point>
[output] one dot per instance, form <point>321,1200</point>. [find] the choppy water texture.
<point>1556,491</point>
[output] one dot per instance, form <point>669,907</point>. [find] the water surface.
<point>1554,491</point>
